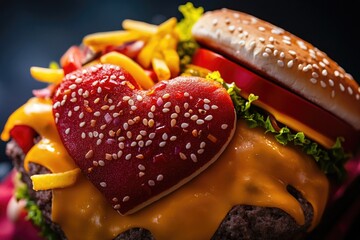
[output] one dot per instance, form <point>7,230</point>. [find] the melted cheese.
<point>254,170</point>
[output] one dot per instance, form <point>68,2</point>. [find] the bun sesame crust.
<point>283,58</point>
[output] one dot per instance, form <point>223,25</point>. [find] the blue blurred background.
<point>33,33</point>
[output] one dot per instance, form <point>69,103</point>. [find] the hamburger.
<point>211,129</point>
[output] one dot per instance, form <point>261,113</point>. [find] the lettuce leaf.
<point>187,45</point>
<point>34,213</point>
<point>330,161</point>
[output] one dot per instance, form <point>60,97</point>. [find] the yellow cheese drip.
<point>254,170</point>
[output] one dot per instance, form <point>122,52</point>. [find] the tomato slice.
<point>287,107</point>
<point>24,137</point>
<point>71,60</point>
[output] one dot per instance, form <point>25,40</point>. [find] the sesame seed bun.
<point>283,58</point>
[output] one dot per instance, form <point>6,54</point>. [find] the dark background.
<point>33,33</point>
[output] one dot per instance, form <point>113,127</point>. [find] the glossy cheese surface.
<point>254,170</point>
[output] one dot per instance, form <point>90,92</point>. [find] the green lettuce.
<point>34,213</point>
<point>187,45</point>
<point>330,161</point>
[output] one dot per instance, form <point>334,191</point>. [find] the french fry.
<point>161,70</point>
<point>168,42</point>
<point>54,180</point>
<point>98,41</point>
<point>129,65</point>
<point>48,75</point>
<point>147,53</point>
<point>172,60</point>
<point>167,26</point>
<point>144,28</point>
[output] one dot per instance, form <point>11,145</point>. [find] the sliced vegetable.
<point>72,59</point>
<point>330,161</point>
<point>24,136</point>
<point>287,107</point>
<point>129,65</point>
<point>54,180</point>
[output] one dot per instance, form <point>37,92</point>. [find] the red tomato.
<point>278,100</point>
<point>24,136</point>
<point>72,59</point>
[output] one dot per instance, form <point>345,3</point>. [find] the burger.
<point>220,126</point>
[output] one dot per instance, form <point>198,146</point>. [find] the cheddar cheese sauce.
<point>253,170</point>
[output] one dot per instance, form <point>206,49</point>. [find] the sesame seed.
<point>152,108</point>
<point>200,122</point>
<point>82,124</point>
<point>128,156</point>
<point>126,198</point>
<point>342,88</point>
<point>290,63</point>
<point>184,125</point>
<point>159,177</point>
<point>83,135</point>
<point>224,126</point>
<point>69,113</point>
<point>148,143</point>
<point>119,154</point>
<point>177,109</point>
<point>151,123</point>
<point>98,142</point>
<point>117,206</point>
<point>322,84</point>
<point>103,184</point>
<point>152,135</point>
<point>280,63</point>
<point>164,136</point>
<point>173,138</point>
<point>126,98</point>
<point>194,117</point>
<point>188,145</point>
<point>208,117</point>
<point>129,134</point>
<point>67,131</point>
<point>167,104</point>
<point>166,95</point>
<point>151,183</point>
<point>162,144</point>
<point>193,157</point>
<point>182,156</point>
<point>97,114</point>
<point>72,86</point>
<point>141,167</point>
<point>214,107</point>
<point>165,110</point>
<point>101,163</point>
<point>313,80</point>
<point>200,151</point>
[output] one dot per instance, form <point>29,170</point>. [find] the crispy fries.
<point>99,41</point>
<point>158,53</point>
<point>48,75</point>
<point>144,28</point>
<point>54,180</point>
<point>129,65</point>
